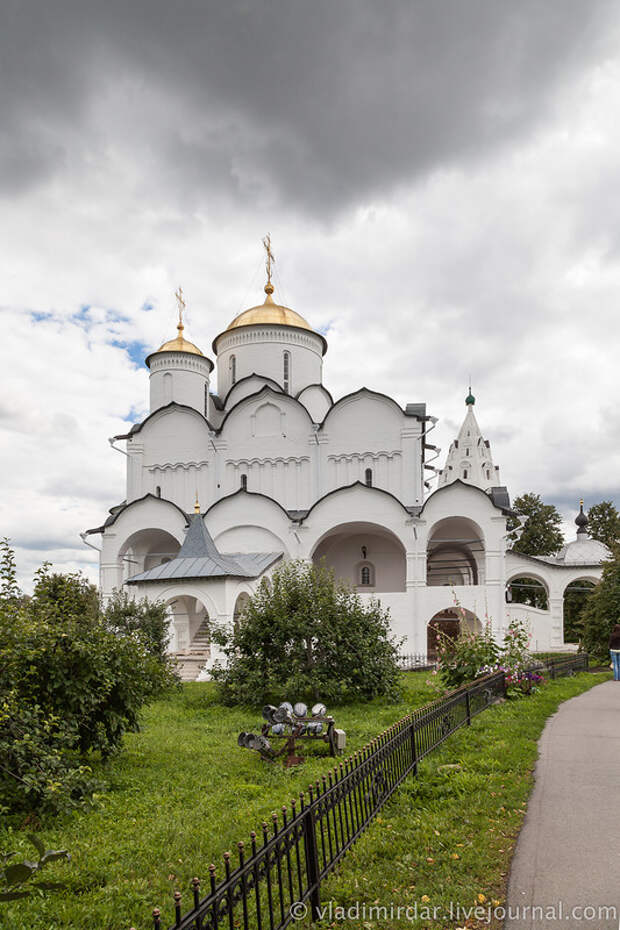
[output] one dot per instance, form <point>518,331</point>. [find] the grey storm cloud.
<point>317,105</point>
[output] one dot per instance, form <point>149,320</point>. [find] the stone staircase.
<point>190,662</point>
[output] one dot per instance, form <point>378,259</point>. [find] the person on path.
<point>614,651</point>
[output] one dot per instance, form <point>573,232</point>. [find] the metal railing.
<point>285,862</point>
<point>563,665</point>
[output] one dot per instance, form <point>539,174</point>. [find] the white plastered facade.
<point>278,466</point>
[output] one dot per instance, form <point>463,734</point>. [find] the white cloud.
<point>503,265</point>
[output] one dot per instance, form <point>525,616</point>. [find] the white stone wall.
<point>260,349</point>
<point>180,377</point>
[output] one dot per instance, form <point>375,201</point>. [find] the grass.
<point>447,837</point>
<point>182,793</point>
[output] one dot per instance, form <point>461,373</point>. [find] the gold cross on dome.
<point>270,259</point>
<point>181,304</point>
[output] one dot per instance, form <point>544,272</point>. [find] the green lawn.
<point>182,793</point>
<point>449,836</point>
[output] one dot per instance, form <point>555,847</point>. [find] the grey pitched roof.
<point>199,557</point>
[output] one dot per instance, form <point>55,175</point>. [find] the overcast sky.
<point>440,181</point>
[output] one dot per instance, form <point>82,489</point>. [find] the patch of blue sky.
<point>41,317</point>
<point>82,317</point>
<point>134,415</point>
<point>147,305</point>
<point>323,330</point>
<point>136,350</point>
<point>113,316</point>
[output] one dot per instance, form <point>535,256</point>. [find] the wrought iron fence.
<point>284,864</point>
<point>564,665</point>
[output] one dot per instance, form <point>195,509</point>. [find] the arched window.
<point>368,477</point>
<point>366,575</point>
<point>286,373</point>
<point>465,473</point>
<point>233,369</point>
<point>488,475</point>
<point>466,451</point>
<point>244,482</point>
<point>206,400</point>
<point>158,491</point>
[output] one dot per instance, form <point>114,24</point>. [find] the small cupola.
<point>582,522</point>
<point>179,371</point>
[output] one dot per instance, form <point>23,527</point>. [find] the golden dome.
<point>180,344</point>
<point>270,313</point>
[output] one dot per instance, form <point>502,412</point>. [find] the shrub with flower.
<point>472,655</point>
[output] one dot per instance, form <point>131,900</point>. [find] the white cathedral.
<point>223,485</point>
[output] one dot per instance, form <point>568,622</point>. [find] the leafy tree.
<point>525,590</point>
<point>73,679</point>
<point>602,610</point>
<point>576,596</point>
<point>9,589</point>
<point>305,635</point>
<point>541,533</point>
<point>145,621</point>
<point>604,523</point>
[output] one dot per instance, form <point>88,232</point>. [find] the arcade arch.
<point>189,626</point>
<point>369,556</point>
<point>529,589</point>
<point>449,622</point>
<point>144,549</point>
<point>455,553</point>
<point>575,597</point>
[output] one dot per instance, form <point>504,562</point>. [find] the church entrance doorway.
<point>190,635</point>
<point>447,624</point>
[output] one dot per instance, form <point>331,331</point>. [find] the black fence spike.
<point>196,890</point>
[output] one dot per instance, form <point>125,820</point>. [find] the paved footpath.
<point>568,851</point>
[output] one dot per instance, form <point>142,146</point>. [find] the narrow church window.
<point>244,482</point>
<point>233,370</point>
<point>287,372</point>
<point>158,491</point>
<point>369,477</point>
<point>465,473</point>
<point>364,552</point>
<point>466,451</point>
<point>367,575</point>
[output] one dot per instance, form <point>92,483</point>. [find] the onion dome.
<point>270,313</point>
<point>470,400</point>
<point>581,520</point>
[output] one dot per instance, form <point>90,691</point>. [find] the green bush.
<point>466,657</point>
<point>73,679</point>
<point>40,769</point>
<point>471,655</point>
<point>602,610</point>
<point>303,635</point>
